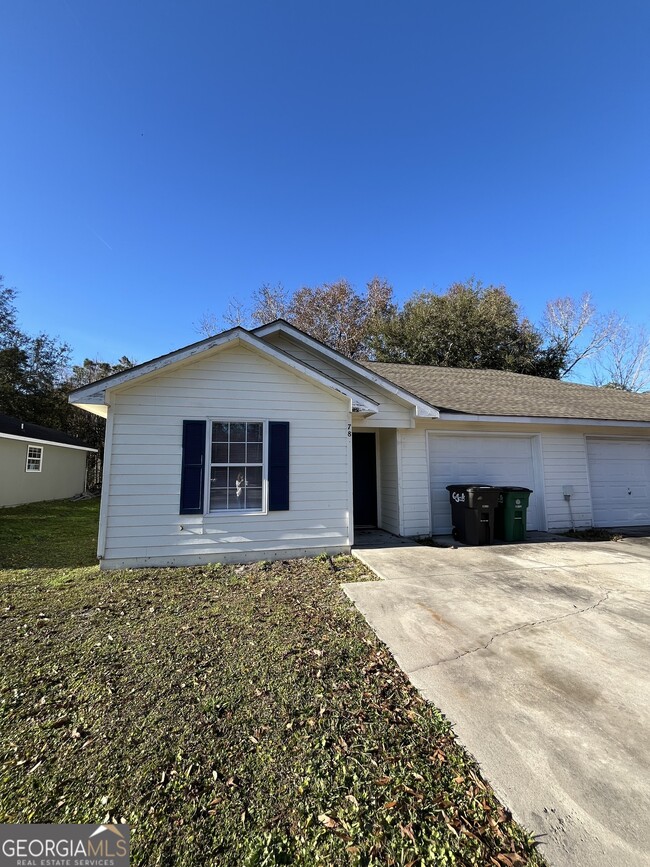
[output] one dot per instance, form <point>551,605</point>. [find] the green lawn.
<point>231,715</point>
<point>59,534</point>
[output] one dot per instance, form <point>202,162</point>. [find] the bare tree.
<point>625,363</point>
<point>236,313</point>
<point>576,330</point>
<point>334,313</point>
<point>208,324</point>
<point>270,303</point>
<point>339,316</point>
<point>379,302</point>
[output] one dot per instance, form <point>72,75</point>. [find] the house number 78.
<point>349,430</point>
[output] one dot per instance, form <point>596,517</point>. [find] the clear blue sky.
<point>159,157</point>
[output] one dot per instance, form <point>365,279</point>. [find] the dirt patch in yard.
<point>595,534</point>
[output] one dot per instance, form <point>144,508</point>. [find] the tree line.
<point>36,377</point>
<point>468,324</point>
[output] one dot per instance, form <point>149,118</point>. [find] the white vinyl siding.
<point>388,480</point>
<point>391,413</point>
<point>414,478</point>
<point>619,472</point>
<point>565,464</point>
<point>143,524</point>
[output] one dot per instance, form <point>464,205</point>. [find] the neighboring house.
<point>265,443</point>
<point>38,463</point>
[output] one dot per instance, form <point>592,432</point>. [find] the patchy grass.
<point>231,715</point>
<point>594,534</point>
<point>60,533</point>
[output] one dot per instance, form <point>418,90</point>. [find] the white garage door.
<point>483,460</point>
<point>619,474</point>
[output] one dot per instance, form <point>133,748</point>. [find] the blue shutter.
<point>192,472</point>
<point>278,466</point>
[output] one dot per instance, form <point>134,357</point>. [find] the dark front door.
<point>364,480</point>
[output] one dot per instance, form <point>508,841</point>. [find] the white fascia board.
<point>532,419</point>
<point>35,440</point>
<point>95,392</point>
<point>422,409</point>
<point>100,409</point>
<point>92,396</point>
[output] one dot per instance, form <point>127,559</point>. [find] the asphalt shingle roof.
<point>499,392</point>
<point>16,427</point>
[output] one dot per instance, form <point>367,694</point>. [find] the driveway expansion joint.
<point>558,617</point>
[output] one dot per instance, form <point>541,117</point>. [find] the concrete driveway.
<point>539,654</point>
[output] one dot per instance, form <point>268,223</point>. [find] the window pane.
<point>34,458</point>
<point>220,432</point>
<point>254,453</point>
<point>254,432</point>
<point>253,498</point>
<point>254,477</point>
<point>237,431</point>
<point>237,453</point>
<point>218,498</point>
<point>219,477</point>
<point>220,453</point>
<point>237,487</point>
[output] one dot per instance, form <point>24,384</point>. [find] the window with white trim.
<point>236,466</point>
<point>34,459</point>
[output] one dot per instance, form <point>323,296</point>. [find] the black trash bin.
<point>472,512</point>
<point>510,516</point>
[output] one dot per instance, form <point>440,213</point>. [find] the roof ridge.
<point>482,370</point>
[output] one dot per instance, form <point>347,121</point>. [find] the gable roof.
<point>502,393</point>
<point>429,390</point>
<point>93,395</point>
<point>14,428</point>
<point>423,408</point>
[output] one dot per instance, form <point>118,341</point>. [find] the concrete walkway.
<point>539,654</point>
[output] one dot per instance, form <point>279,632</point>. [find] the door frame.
<point>377,473</point>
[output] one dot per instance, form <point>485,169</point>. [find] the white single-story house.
<point>39,463</point>
<point>267,444</point>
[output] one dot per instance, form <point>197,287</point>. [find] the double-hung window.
<point>34,459</point>
<point>247,462</point>
<point>237,466</point>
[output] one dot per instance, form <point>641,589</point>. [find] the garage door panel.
<point>517,449</point>
<point>485,460</point>
<point>619,473</point>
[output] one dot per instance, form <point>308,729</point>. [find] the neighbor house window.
<point>236,465</point>
<point>34,459</point>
